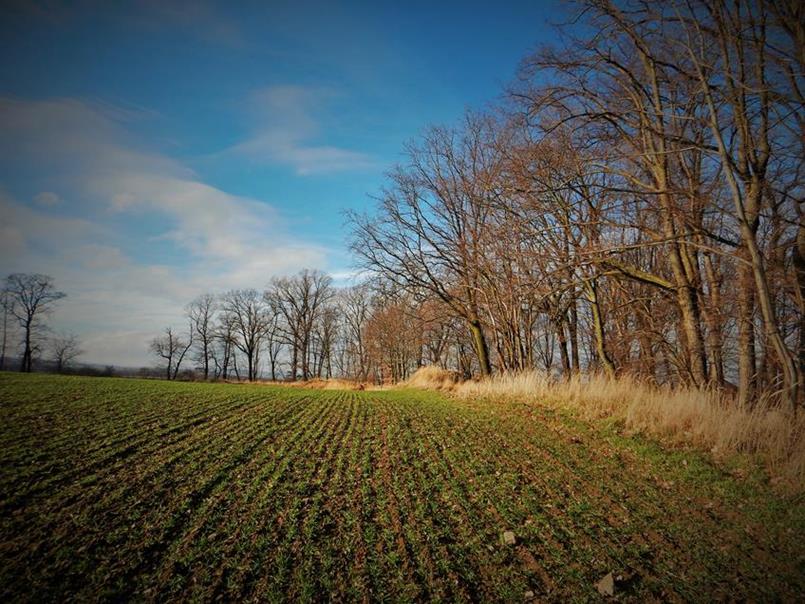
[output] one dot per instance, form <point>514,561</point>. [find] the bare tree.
<point>65,348</point>
<point>730,49</point>
<point>432,223</point>
<point>32,296</point>
<point>355,304</point>
<point>325,332</point>
<point>223,349</point>
<point>392,338</point>
<point>172,348</point>
<point>275,342</point>
<point>300,301</point>
<point>201,313</point>
<point>247,313</point>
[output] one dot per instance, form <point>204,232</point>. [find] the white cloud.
<point>348,277</point>
<point>213,240</point>
<point>106,291</point>
<point>286,129</point>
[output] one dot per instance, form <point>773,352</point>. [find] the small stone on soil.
<point>509,538</point>
<point>528,596</point>
<point>606,586</point>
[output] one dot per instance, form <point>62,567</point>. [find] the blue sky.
<point>152,151</point>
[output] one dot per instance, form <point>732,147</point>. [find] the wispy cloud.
<point>287,132</point>
<point>213,240</point>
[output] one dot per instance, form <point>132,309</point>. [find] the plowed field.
<point>116,489</point>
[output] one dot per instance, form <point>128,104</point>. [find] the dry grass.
<point>326,384</point>
<point>431,377</point>
<point>313,384</point>
<point>699,417</point>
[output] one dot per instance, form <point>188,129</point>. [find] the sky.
<point>152,151</point>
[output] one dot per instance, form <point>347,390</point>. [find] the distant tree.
<point>201,313</point>
<point>300,300</point>
<point>246,311</point>
<point>275,341</point>
<point>355,308</point>
<point>325,334</point>
<point>392,340</point>
<point>223,349</point>
<point>172,348</point>
<point>32,296</point>
<point>65,348</point>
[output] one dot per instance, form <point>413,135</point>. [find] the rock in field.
<point>509,538</point>
<point>606,586</point>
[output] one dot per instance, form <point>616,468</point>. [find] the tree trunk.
<point>235,366</point>
<point>791,372</point>
<point>560,333</point>
<point>714,323</point>
<point>305,359</point>
<point>5,335</point>
<point>481,349</point>
<point>598,330</point>
<point>648,358</point>
<point>26,356</point>
<point>573,326</point>
<point>691,319</point>
<point>799,267</point>
<point>747,367</point>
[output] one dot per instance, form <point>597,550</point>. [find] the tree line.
<point>635,204</point>
<point>303,327</point>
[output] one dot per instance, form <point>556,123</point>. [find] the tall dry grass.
<point>703,418</point>
<point>432,377</point>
